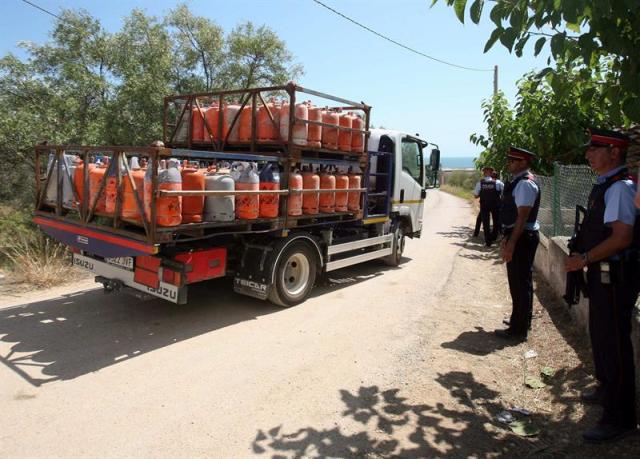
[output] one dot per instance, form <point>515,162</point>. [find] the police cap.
<point>520,153</point>
<point>607,138</point>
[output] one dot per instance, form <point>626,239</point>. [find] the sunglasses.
<point>511,160</point>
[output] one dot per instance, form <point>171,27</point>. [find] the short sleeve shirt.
<point>499,186</point>
<point>525,194</point>
<point>618,199</point>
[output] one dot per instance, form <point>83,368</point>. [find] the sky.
<point>408,92</point>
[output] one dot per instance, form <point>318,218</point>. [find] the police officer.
<point>607,246</point>
<point>489,191</point>
<point>518,214</point>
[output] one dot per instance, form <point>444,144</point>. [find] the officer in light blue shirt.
<point>607,246</point>
<point>519,212</point>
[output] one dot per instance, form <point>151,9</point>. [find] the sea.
<point>457,162</point>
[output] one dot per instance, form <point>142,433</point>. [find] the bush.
<point>463,179</point>
<point>39,260</point>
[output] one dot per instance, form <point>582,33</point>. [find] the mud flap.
<point>255,271</point>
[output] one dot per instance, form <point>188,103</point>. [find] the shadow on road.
<point>76,334</point>
<point>379,422</point>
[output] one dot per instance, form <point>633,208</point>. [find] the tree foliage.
<point>574,31</point>
<point>89,86</point>
<point>551,126</point>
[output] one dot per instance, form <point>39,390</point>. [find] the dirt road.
<point>381,362</point>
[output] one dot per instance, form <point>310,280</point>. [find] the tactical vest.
<point>509,210</point>
<point>489,194</point>
<point>594,230</point>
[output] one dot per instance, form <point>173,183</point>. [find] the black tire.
<point>398,247</point>
<point>295,274</point>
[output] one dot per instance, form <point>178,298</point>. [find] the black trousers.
<point>520,275</point>
<point>490,232</point>
<point>610,312</point>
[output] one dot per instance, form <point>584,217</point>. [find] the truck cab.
<point>408,177</point>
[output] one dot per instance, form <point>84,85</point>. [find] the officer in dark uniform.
<point>489,191</point>
<point>518,214</point>
<point>608,248</point>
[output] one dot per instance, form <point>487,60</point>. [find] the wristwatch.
<point>585,258</point>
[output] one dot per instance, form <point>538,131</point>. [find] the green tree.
<point>542,121</point>
<point>198,51</point>
<point>591,33</point>
<point>257,57</point>
<point>89,86</point>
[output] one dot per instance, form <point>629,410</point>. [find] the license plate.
<point>123,262</point>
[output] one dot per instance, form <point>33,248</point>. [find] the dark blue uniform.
<point>612,286</point>
<point>521,191</point>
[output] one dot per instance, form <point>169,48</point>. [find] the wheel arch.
<point>281,245</point>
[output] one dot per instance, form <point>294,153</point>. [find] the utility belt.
<point>507,232</point>
<point>621,271</point>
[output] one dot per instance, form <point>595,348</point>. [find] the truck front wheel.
<point>295,274</point>
<point>398,247</point>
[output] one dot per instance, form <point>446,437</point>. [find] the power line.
<point>398,43</point>
<point>41,9</point>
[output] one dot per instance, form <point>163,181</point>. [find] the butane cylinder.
<point>269,180</point>
<point>295,199</point>
<point>355,181</point>
<point>192,206</point>
<point>219,208</point>
<point>247,205</point>
<point>327,199</point>
<point>310,201</point>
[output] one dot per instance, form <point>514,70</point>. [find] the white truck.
<point>276,259</point>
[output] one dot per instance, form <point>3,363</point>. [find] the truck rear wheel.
<point>398,247</point>
<point>295,275</point>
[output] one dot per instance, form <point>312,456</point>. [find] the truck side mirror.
<point>434,160</point>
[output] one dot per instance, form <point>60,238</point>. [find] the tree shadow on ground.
<point>379,422</point>
<point>76,334</point>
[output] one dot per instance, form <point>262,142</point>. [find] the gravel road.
<point>384,361</point>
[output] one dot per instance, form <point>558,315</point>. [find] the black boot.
<point>595,395</point>
<point>606,432</point>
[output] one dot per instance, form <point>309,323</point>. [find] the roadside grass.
<point>38,260</point>
<point>29,256</point>
<point>457,191</point>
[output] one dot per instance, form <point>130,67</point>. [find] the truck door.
<point>411,191</point>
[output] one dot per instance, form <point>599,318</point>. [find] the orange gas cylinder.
<point>78,179</point>
<point>129,203</point>
<point>344,138</point>
<point>112,189</point>
<point>267,129</point>
<point>244,131</point>
<point>192,206</point>
<point>355,181</point>
<point>169,208</point>
<point>310,201</point>
<point>211,119</point>
<point>315,132</point>
<point>284,121</point>
<point>95,179</point>
<point>247,205</point>
<point>300,128</point>
<point>230,112</point>
<point>330,135</point>
<point>197,123</point>
<point>342,199</point>
<point>357,140</point>
<point>269,180</point>
<point>295,199</point>
<point>327,200</point>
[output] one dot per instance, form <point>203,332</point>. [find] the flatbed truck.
<point>276,259</point>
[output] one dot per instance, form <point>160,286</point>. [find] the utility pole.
<point>495,80</point>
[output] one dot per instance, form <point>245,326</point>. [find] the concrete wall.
<point>549,262</point>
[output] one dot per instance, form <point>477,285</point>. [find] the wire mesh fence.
<point>568,187</point>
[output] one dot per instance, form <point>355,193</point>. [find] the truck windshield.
<point>412,161</point>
